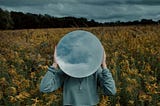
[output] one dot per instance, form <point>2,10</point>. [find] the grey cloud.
<point>102,2</point>
<point>144,2</point>
<point>120,2</point>
<point>99,10</point>
<point>17,3</point>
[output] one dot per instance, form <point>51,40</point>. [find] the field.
<point>133,57</point>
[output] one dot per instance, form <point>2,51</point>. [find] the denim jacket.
<point>79,91</point>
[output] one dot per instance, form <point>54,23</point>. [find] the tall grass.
<point>133,57</point>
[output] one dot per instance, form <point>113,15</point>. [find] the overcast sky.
<point>99,10</point>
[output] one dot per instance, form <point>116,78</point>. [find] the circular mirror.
<point>79,53</point>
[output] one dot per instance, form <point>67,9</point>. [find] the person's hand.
<point>55,65</point>
<point>104,60</point>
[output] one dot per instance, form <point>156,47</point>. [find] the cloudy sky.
<point>99,10</point>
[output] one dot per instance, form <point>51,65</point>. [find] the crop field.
<point>133,57</point>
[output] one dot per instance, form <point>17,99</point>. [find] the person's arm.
<point>106,81</point>
<point>105,78</point>
<point>52,80</point>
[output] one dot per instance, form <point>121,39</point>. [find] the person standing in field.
<point>79,91</point>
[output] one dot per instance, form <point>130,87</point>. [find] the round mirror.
<point>79,53</point>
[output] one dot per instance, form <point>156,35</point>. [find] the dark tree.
<point>5,20</point>
<point>20,20</point>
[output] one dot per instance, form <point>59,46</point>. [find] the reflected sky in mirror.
<point>79,53</point>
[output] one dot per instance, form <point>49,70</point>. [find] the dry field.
<point>133,56</point>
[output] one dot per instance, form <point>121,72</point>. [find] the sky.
<point>99,10</point>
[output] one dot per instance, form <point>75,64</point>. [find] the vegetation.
<point>133,56</point>
<point>20,20</point>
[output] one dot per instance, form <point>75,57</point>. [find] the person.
<point>79,91</point>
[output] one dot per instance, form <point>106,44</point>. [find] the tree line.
<point>20,20</point>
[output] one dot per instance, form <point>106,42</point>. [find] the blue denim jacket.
<point>79,91</point>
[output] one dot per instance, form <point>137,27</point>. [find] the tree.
<point>6,21</point>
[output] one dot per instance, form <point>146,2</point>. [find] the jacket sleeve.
<point>106,81</point>
<point>52,80</point>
